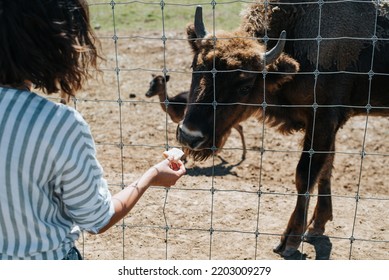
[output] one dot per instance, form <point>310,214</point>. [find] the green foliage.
<point>148,15</point>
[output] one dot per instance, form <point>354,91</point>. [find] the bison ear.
<point>192,37</point>
<point>280,72</point>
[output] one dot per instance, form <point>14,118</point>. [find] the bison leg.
<point>315,159</point>
<point>323,209</point>
<point>239,128</point>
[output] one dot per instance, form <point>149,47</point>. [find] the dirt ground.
<point>191,222</point>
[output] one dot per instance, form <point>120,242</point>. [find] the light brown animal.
<point>175,106</point>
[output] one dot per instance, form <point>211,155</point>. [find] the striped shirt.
<point>51,184</point>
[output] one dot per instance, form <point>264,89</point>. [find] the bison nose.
<point>189,138</point>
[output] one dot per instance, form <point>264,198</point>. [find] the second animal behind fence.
<point>175,105</point>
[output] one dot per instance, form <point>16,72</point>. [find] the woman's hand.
<point>166,173</point>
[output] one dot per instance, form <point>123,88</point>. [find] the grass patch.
<point>147,15</point>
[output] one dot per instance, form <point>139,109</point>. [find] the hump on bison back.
<point>354,20</point>
<point>336,19</point>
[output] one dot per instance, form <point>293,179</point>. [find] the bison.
<point>330,63</point>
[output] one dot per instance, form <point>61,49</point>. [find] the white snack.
<point>173,154</point>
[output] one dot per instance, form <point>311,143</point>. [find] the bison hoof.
<point>287,252</point>
<point>312,235</point>
<point>279,248</point>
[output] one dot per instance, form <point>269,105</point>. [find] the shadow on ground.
<point>221,169</point>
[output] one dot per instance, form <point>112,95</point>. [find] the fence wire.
<point>209,238</point>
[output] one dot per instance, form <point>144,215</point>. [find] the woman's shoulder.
<point>61,111</point>
<point>38,108</point>
<point>70,112</point>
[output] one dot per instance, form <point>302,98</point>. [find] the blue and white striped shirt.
<point>51,183</point>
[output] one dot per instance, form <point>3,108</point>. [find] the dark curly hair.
<point>47,42</point>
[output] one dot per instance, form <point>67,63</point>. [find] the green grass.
<point>147,15</point>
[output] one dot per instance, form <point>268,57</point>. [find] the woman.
<point>51,183</point>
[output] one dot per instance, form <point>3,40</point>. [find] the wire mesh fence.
<point>225,207</point>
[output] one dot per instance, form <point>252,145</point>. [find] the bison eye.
<point>244,90</point>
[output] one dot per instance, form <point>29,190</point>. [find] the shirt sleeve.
<point>85,192</point>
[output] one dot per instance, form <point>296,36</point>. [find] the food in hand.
<point>174,155</point>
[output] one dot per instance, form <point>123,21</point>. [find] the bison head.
<point>233,75</point>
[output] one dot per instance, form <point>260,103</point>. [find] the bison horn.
<point>275,52</point>
<point>199,24</point>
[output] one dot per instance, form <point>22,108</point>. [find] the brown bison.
<point>333,64</point>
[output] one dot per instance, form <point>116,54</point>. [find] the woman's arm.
<point>160,174</point>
